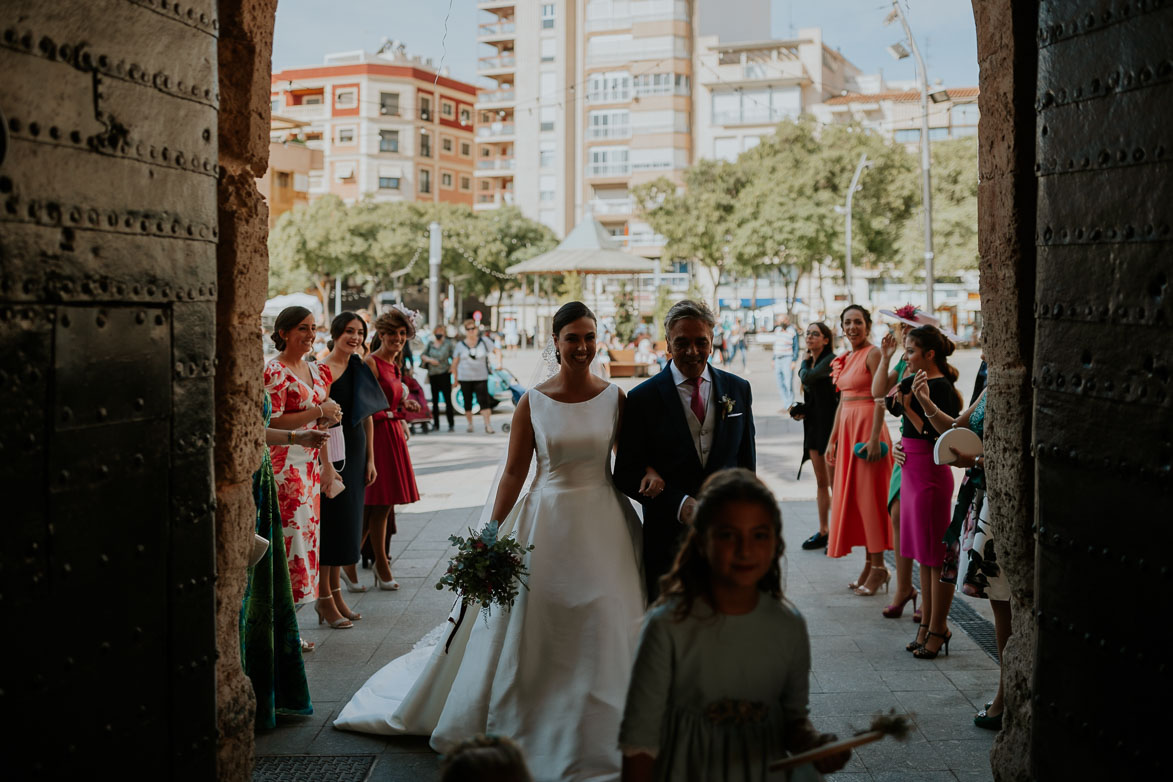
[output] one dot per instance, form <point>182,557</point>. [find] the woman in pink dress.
<point>395,484</point>
<point>859,494</point>
<point>298,392</point>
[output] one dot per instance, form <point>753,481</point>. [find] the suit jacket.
<point>655,433</point>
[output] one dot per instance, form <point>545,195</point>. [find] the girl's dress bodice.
<point>391,381</point>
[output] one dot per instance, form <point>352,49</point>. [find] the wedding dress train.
<point>551,673</point>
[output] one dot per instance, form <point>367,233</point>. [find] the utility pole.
<point>925,163</point>
<point>433,274</point>
<point>848,271</point>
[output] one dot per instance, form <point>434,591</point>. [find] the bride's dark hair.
<point>567,314</point>
<point>690,577</point>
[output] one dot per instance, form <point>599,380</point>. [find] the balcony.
<point>503,27</point>
<point>485,165</point>
<point>306,112</point>
<point>609,131</point>
<point>622,95</point>
<point>644,239</point>
<point>608,169</point>
<point>495,97</point>
<point>642,11</point>
<point>495,130</point>
<point>493,200</point>
<point>612,206</point>
<point>496,62</point>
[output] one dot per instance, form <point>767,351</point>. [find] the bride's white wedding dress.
<point>551,673</point>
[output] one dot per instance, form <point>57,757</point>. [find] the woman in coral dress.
<point>859,494</point>
<point>297,390</point>
<point>395,484</point>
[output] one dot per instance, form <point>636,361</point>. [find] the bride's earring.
<point>557,356</point>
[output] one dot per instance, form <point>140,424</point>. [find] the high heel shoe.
<point>863,577</point>
<point>925,653</point>
<point>983,719</point>
<point>341,623</point>
<point>387,586</point>
<point>866,591</point>
<point>916,642</point>
<point>351,586</point>
<point>352,615</point>
<point>896,610</point>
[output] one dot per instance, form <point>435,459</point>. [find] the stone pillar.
<point>244,53</point>
<point>1007,56</point>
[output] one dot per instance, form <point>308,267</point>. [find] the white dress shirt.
<point>701,431</point>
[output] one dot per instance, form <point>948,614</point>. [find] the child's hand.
<point>831,763</point>
<point>652,484</point>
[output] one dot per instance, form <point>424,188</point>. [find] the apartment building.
<point>953,112</point>
<point>286,182</point>
<point>388,126</point>
<point>588,99</point>
<point>748,87</point>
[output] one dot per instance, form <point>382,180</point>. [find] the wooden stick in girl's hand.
<point>898,726</point>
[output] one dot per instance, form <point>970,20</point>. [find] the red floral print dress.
<point>298,474</point>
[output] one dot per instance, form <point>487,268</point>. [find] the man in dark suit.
<point>686,422</point>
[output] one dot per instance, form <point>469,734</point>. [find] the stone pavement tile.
<point>829,704</point>
<point>405,767</point>
<point>922,703</point>
<point>903,757</point>
<point>970,755</point>
<point>960,727</point>
<point>985,775</point>
<point>912,776</point>
<point>338,653</point>
<point>972,659</point>
<point>849,681</point>
<point>898,660</point>
<point>416,566</point>
<point>832,643</point>
<point>332,741</point>
<point>973,679</point>
<point>334,687</point>
<point>402,745</point>
<point>324,712</point>
<point>840,661</point>
<point>902,681</point>
<point>286,739</point>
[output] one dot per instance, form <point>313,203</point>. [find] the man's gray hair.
<point>688,310</point>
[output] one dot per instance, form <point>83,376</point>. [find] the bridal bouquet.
<point>486,569</point>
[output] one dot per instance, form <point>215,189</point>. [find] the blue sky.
<point>308,29</point>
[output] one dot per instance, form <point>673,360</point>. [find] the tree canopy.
<point>384,245</point>
<point>780,204</point>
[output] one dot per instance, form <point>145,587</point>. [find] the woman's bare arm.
<point>517,462</point>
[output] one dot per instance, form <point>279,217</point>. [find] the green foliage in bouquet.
<point>486,569</point>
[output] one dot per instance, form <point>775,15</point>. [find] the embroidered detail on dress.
<point>729,711</point>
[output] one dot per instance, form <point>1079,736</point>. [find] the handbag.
<point>861,450</point>
<point>335,444</point>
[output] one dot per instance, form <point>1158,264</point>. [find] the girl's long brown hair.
<point>690,576</point>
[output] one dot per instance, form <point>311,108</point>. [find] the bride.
<point>552,672</point>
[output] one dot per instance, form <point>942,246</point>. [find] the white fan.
<point>964,441</point>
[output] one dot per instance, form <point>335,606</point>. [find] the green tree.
<point>796,178</point>
<point>317,239</point>
<point>697,220</point>
<point>954,184</point>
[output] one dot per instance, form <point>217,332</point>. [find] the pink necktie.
<point>698,404</point>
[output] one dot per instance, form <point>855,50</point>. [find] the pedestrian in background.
<point>785,354</point>
<point>471,368</point>
<point>819,399</point>
<point>859,451</point>
<point>437,357</point>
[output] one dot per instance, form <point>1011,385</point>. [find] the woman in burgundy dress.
<point>395,484</point>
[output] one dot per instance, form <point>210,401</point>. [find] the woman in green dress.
<point>270,645</point>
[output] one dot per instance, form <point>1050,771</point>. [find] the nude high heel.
<point>351,586</point>
<point>866,591</point>
<point>341,623</point>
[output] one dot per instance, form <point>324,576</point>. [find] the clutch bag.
<point>861,450</point>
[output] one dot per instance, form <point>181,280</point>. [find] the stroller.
<point>420,420</point>
<point>501,381</point>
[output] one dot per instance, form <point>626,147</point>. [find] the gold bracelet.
<point>291,437</point>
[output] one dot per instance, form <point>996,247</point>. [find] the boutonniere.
<point>727,405</point>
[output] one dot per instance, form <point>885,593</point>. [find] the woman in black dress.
<point>357,391</point>
<point>818,417</point>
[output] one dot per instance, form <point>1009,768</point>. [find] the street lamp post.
<point>925,163</point>
<point>433,274</point>
<point>848,269</point>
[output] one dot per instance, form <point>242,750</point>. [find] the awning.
<point>588,249</point>
<point>343,170</point>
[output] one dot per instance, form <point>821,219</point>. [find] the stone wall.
<point>245,51</point>
<point>1007,55</point>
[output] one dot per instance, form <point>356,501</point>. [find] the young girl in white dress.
<point>720,684</point>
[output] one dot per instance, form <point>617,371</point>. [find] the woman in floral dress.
<point>297,390</point>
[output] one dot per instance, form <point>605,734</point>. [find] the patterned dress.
<point>299,475</point>
<point>270,646</point>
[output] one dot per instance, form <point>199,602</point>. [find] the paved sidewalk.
<point>859,665</point>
